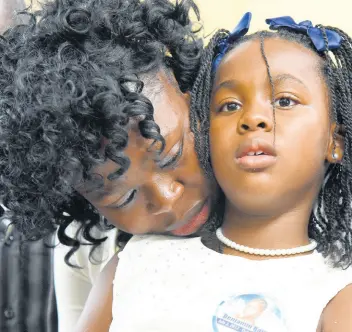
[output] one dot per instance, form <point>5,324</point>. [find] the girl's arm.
<point>337,317</point>
<point>97,313</point>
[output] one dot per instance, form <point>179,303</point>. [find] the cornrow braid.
<point>271,82</point>
<point>200,102</point>
<point>330,222</point>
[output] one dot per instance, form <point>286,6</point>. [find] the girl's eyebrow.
<point>229,84</point>
<point>288,77</point>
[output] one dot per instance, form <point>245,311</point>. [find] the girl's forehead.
<point>284,57</point>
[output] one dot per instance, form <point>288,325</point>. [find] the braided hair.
<point>65,82</point>
<point>330,222</point>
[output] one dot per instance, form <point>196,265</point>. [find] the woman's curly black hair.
<point>330,223</point>
<point>65,82</point>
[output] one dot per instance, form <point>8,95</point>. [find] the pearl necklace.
<point>264,252</point>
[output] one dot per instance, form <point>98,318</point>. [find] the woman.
<point>94,120</point>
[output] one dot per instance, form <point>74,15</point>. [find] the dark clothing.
<point>27,297</point>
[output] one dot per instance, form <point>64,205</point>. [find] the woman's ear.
<point>336,146</point>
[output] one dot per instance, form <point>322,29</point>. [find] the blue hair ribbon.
<point>315,33</point>
<point>239,31</point>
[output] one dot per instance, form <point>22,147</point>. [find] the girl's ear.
<point>336,146</point>
<point>188,97</point>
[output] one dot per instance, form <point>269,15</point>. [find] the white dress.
<point>165,284</point>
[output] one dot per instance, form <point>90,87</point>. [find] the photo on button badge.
<point>99,127</point>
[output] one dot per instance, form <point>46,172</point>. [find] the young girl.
<point>280,146</point>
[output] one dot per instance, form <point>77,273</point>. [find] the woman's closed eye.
<point>172,161</point>
<point>124,200</point>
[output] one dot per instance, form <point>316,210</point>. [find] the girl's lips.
<point>255,154</point>
<point>194,223</point>
<point>253,145</point>
<point>256,162</point>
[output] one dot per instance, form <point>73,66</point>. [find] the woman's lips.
<point>194,223</point>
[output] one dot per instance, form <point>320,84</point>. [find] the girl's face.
<point>157,194</point>
<point>265,164</point>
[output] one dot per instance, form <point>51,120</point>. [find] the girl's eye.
<point>230,107</point>
<point>285,102</point>
<point>124,200</point>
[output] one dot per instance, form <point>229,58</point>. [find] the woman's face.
<point>157,194</point>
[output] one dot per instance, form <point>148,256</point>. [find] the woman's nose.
<point>163,194</point>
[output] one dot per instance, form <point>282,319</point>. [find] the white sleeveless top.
<point>166,284</point>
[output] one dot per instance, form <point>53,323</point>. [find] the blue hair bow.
<point>316,34</point>
<point>240,30</point>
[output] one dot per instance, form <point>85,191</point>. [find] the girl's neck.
<point>284,231</point>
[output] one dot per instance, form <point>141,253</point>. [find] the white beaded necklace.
<point>264,252</point>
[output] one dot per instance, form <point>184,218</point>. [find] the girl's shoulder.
<point>337,315</point>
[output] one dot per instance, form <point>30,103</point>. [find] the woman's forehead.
<point>171,107</point>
